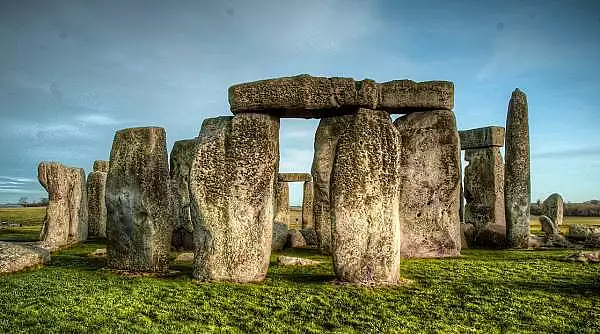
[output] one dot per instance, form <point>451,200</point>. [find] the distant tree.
<point>23,200</point>
<point>44,201</point>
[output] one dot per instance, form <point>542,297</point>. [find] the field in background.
<point>31,220</point>
<point>536,227</point>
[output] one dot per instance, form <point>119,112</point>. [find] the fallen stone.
<point>283,260</point>
<point>534,242</point>
<point>180,162</point>
<point>233,192</point>
<point>282,207</point>
<point>583,232</point>
<point>295,239</point>
<point>490,136</point>
<point>310,236</point>
<point>280,236</point>
<point>294,177</point>
<point>555,241</point>
<point>364,201</point>
<point>582,257</point>
<point>185,257</point>
<point>553,208</point>
<point>548,226</point>
<point>101,166</point>
<point>140,215</point>
<point>100,252</point>
<point>15,257</point>
<point>430,187</point>
<point>308,220</point>
<point>96,189</point>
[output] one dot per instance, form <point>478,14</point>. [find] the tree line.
<point>585,209</point>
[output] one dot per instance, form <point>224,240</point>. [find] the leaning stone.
<point>18,256</point>
<point>490,136</point>
<point>280,236</point>
<point>294,177</point>
<point>96,187</point>
<point>310,236</point>
<point>430,188</point>
<point>517,183</point>
<point>364,201</point>
<point>296,240</point>
<point>101,166</point>
<point>139,206</point>
<point>326,139</point>
<point>548,226</point>
<point>180,162</point>
<point>583,232</point>
<point>404,96</point>
<point>553,208</point>
<point>282,207</point>
<point>232,187</point>
<point>283,260</point>
<point>308,220</point>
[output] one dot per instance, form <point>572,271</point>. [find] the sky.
<point>74,72</point>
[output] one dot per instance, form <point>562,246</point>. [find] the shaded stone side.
<point>307,205</point>
<point>481,137</point>
<point>180,161</point>
<point>140,215</point>
<point>326,138</point>
<point>282,202</point>
<point>553,208</point>
<point>364,201</point>
<point>233,197</point>
<point>96,186</point>
<point>78,206</point>
<point>430,184</point>
<point>294,177</point>
<point>517,186</point>
<point>101,166</point>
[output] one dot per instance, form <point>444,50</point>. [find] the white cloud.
<point>97,119</point>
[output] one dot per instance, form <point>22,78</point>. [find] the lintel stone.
<point>294,177</point>
<point>488,136</point>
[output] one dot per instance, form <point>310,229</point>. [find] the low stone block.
<point>15,257</point>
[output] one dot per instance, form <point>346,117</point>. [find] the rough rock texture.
<point>553,208</point>
<point>430,184</point>
<point>19,256</point>
<point>180,162</point>
<point>294,177</point>
<point>327,136</point>
<point>294,261</point>
<point>96,186</point>
<point>484,190</point>
<point>233,192</point>
<point>99,252</point>
<point>490,136</point>
<point>308,220</point>
<point>101,166</point>
<point>555,241</point>
<point>467,232</point>
<point>280,235</point>
<point>282,206</point>
<point>295,239</point>
<point>583,232</point>
<point>66,220</point>
<point>364,201</point>
<point>185,257</point>
<point>548,226</point>
<point>310,236</point>
<point>593,257</point>
<point>491,236</point>
<point>517,184</point>
<point>140,215</point>
<point>304,96</point>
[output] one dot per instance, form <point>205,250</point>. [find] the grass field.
<point>30,218</point>
<point>481,292</point>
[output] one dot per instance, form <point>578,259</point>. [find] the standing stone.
<point>280,236</point>
<point>553,208</point>
<point>232,186</point>
<point>181,159</point>
<point>326,139</point>
<point>78,206</point>
<point>139,206</point>
<point>283,202</point>
<point>307,205</point>
<point>101,166</point>
<point>430,184</point>
<point>548,225</point>
<point>517,179</point>
<point>96,189</point>
<point>364,201</point>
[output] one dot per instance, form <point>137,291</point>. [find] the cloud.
<point>97,119</point>
<point>569,153</point>
<point>20,180</point>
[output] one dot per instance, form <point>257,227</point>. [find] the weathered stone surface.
<point>583,232</point>
<point>593,257</point>
<point>294,177</point>
<point>282,206</point>
<point>185,257</point>
<point>555,241</point>
<point>484,189</point>
<point>430,184</point>
<point>310,236</point>
<point>140,215</point>
<point>490,136</point>
<point>553,208</point>
<point>364,201</point>
<point>96,187</point>
<point>280,235</point>
<point>467,232</point>
<point>517,186</point>
<point>304,96</point>
<point>283,260</point>
<point>99,252</point>
<point>491,236</point>
<point>548,226</point>
<point>19,256</point>
<point>180,162</point>
<point>308,220</point>
<point>101,166</point>
<point>66,214</point>
<point>295,239</point>
<point>327,136</point>
<point>233,192</point>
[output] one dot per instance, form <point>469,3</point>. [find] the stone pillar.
<point>232,186</point>
<point>553,208</point>
<point>364,201</point>
<point>180,162</point>
<point>140,215</point>
<point>283,202</point>
<point>517,186</point>
<point>326,138</point>
<point>307,205</point>
<point>96,185</point>
<point>430,184</point>
<point>78,207</point>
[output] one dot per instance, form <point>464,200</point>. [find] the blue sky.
<point>74,72</point>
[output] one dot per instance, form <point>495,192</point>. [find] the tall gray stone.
<point>282,207</point>
<point>232,186</point>
<point>181,158</point>
<point>326,139</point>
<point>553,208</point>
<point>307,205</point>
<point>364,201</point>
<point>96,189</point>
<point>140,215</point>
<point>101,166</point>
<point>517,186</point>
<point>430,184</point>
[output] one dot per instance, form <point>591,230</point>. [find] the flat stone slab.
<point>481,137</point>
<point>283,260</point>
<point>294,177</point>
<point>19,256</point>
<point>305,96</point>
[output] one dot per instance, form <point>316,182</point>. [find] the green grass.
<point>536,226</point>
<point>30,218</point>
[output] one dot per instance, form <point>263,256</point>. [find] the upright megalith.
<point>364,201</point>
<point>307,205</point>
<point>181,158</point>
<point>232,185</point>
<point>517,195</point>
<point>66,215</point>
<point>430,184</point>
<point>140,215</point>
<point>96,189</point>
<point>327,135</point>
<point>282,201</point>
<point>553,208</point>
